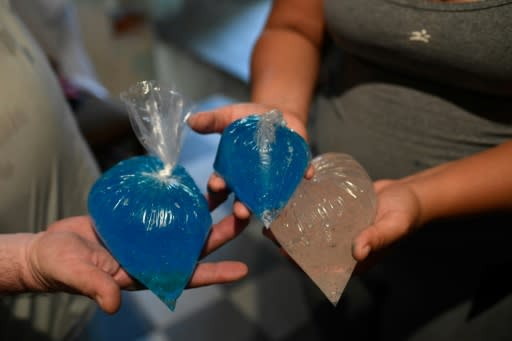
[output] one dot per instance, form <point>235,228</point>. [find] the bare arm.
<point>481,183</point>
<point>12,258</point>
<point>286,57</point>
<point>284,69</point>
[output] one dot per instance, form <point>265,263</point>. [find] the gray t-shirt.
<point>413,83</point>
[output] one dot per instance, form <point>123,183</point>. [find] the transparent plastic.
<point>262,162</point>
<point>317,226</point>
<point>148,210</point>
<point>158,116</point>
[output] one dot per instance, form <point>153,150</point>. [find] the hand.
<point>215,122</point>
<point>69,257</point>
<point>398,213</point>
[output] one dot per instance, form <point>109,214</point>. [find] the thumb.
<point>207,122</point>
<point>382,233</point>
<point>98,285</point>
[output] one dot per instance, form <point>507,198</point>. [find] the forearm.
<point>286,57</point>
<point>477,184</point>
<point>13,263</point>
<point>282,77</point>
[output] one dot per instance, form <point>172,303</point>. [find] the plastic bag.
<point>263,162</point>
<point>148,210</point>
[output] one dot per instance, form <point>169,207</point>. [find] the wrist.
<point>29,275</point>
<point>14,263</point>
<point>422,192</point>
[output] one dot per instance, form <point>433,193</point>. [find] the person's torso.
<point>45,172</point>
<point>466,44</point>
<point>409,84</point>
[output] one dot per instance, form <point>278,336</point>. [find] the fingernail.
<point>364,251</point>
<point>98,300</point>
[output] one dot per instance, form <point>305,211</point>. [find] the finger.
<point>96,284</point>
<point>215,199</point>
<point>377,236</point>
<point>216,183</point>
<point>373,258</point>
<point>240,210</point>
<point>217,192</point>
<point>217,120</point>
<point>210,121</point>
<point>217,273</point>
<point>108,294</point>
<point>310,172</point>
<point>222,232</point>
<point>107,264</point>
<point>126,282</point>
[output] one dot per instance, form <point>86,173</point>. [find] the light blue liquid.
<point>155,224</point>
<point>262,175</point>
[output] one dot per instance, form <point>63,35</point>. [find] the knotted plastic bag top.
<point>158,116</point>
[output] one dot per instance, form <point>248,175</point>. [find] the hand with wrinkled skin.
<point>69,257</point>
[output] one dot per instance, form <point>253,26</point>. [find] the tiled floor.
<point>270,304</point>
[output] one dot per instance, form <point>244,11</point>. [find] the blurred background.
<point>202,48</point>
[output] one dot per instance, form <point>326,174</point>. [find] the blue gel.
<point>263,173</point>
<point>153,221</point>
